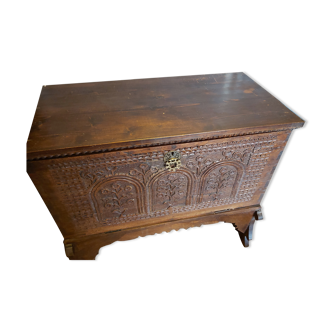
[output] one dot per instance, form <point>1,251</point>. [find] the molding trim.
<point>137,146</point>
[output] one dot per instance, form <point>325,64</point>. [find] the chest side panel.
<point>115,190</point>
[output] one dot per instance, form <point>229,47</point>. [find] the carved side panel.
<point>219,183</point>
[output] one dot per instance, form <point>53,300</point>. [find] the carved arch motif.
<point>117,197</point>
<point>220,181</point>
<point>170,189</point>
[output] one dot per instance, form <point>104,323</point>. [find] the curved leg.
<point>246,236</point>
<point>251,228</point>
<point>75,251</point>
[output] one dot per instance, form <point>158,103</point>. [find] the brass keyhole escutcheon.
<point>172,160</point>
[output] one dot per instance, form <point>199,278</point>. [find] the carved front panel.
<point>116,198</point>
<point>120,187</point>
<point>219,182</point>
<point>170,190</point>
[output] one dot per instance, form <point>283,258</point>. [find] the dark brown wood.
<point>87,247</point>
<point>134,157</point>
<point>74,118</point>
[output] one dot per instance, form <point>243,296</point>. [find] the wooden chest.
<point>121,159</point>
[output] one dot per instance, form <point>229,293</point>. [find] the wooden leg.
<point>76,252</point>
<point>247,236</point>
<point>87,247</point>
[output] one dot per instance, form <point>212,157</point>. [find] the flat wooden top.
<point>94,114</point>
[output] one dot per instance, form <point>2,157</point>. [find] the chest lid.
<point>94,117</point>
